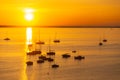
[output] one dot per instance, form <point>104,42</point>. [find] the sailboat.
<point>104,40</point>
<point>29,63</point>
<point>50,52</point>
<point>7,39</point>
<point>40,42</point>
<point>79,57</point>
<point>66,55</point>
<point>56,40</point>
<point>74,51</point>
<point>33,52</point>
<point>54,65</point>
<point>100,43</point>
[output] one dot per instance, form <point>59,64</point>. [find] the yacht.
<point>55,66</point>
<point>29,63</point>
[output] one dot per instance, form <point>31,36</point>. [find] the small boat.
<point>40,42</point>
<point>100,44</point>
<point>7,39</point>
<point>79,57</point>
<point>50,59</point>
<point>33,52</point>
<point>42,57</point>
<point>40,61</point>
<point>74,51</point>
<point>29,63</point>
<point>50,53</point>
<point>36,52</point>
<point>56,41</point>
<point>66,55</point>
<point>30,53</point>
<point>55,66</point>
<point>104,40</point>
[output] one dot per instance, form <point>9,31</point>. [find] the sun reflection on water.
<point>29,38</point>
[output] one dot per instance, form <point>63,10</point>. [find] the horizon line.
<point>14,26</point>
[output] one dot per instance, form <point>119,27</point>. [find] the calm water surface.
<point>101,63</point>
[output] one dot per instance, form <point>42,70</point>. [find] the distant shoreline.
<point>11,26</point>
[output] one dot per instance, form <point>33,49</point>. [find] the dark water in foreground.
<point>101,63</point>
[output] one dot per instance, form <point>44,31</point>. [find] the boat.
<point>79,57</point>
<point>7,39</point>
<point>74,51</point>
<point>30,53</point>
<point>40,61</point>
<point>66,55</point>
<point>42,57</point>
<point>29,63</point>
<point>33,52</point>
<point>36,52</point>
<point>104,40</point>
<point>55,66</point>
<point>40,42</point>
<point>56,40</point>
<point>50,59</point>
<point>100,44</point>
<point>50,53</point>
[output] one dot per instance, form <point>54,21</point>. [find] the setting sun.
<point>29,14</point>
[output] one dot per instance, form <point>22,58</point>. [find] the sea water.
<point>100,63</point>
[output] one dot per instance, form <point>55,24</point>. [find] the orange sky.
<point>61,12</point>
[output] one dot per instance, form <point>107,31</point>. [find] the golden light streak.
<point>29,36</point>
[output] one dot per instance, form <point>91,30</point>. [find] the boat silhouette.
<point>55,66</point>
<point>40,61</point>
<point>79,57</point>
<point>56,40</point>
<point>39,41</point>
<point>100,44</point>
<point>7,39</point>
<point>50,52</point>
<point>66,55</point>
<point>33,52</point>
<point>29,63</point>
<point>74,51</point>
<point>104,40</point>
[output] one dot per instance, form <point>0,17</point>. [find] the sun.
<point>29,14</point>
